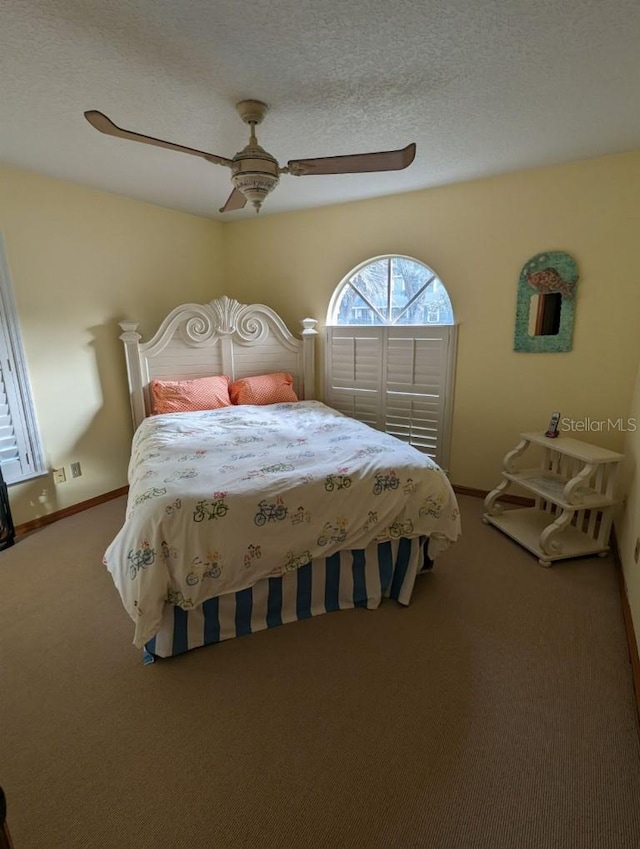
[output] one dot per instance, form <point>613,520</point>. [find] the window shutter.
<point>354,372</point>
<point>398,379</point>
<point>418,387</point>
<point>9,454</point>
<point>14,455</point>
<point>20,449</point>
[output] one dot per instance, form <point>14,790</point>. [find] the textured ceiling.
<point>482,86</point>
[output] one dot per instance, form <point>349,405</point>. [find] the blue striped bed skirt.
<point>358,578</point>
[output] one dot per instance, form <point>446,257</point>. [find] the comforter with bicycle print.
<point>219,500</point>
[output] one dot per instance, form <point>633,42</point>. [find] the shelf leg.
<point>490,505</point>
<point>510,456</point>
<point>549,541</point>
<point>572,485</point>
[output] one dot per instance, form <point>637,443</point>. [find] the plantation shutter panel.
<point>354,372</point>
<point>418,386</point>
<point>398,379</point>
<point>14,454</point>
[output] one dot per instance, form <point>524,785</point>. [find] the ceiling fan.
<point>254,172</point>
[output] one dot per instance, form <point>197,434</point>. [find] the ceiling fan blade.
<point>386,160</point>
<point>106,125</point>
<point>236,200</point>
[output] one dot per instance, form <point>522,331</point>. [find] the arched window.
<point>390,352</point>
<point>391,290</point>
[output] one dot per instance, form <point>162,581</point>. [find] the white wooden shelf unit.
<point>575,496</point>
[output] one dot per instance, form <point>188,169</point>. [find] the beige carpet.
<point>496,711</point>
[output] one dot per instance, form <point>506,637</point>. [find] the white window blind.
<point>20,450</point>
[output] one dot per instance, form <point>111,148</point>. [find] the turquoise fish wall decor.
<point>545,307</point>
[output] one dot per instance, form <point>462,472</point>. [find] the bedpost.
<point>131,339</point>
<point>309,334</point>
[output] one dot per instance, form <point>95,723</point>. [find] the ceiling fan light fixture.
<point>255,173</point>
<point>255,185</point>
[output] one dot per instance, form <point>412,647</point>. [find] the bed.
<point>254,514</point>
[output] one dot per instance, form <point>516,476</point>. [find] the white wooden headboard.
<point>220,337</point>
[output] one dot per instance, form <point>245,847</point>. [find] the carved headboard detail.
<point>219,337</point>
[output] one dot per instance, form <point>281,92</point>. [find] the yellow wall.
<point>80,261</point>
<point>628,526</point>
<point>477,236</point>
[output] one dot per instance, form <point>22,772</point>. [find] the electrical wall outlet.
<point>76,471</point>
<point>59,475</point>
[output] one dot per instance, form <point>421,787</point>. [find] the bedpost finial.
<point>130,333</point>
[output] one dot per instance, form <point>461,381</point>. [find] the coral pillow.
<point>182,396</point>
<point>263,389</point>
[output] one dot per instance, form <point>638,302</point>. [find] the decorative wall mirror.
<point>546,303</point>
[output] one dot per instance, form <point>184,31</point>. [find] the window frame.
<point>15,377</point>
<point>386,332</point>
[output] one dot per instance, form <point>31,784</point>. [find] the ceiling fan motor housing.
<point>255,173</point>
